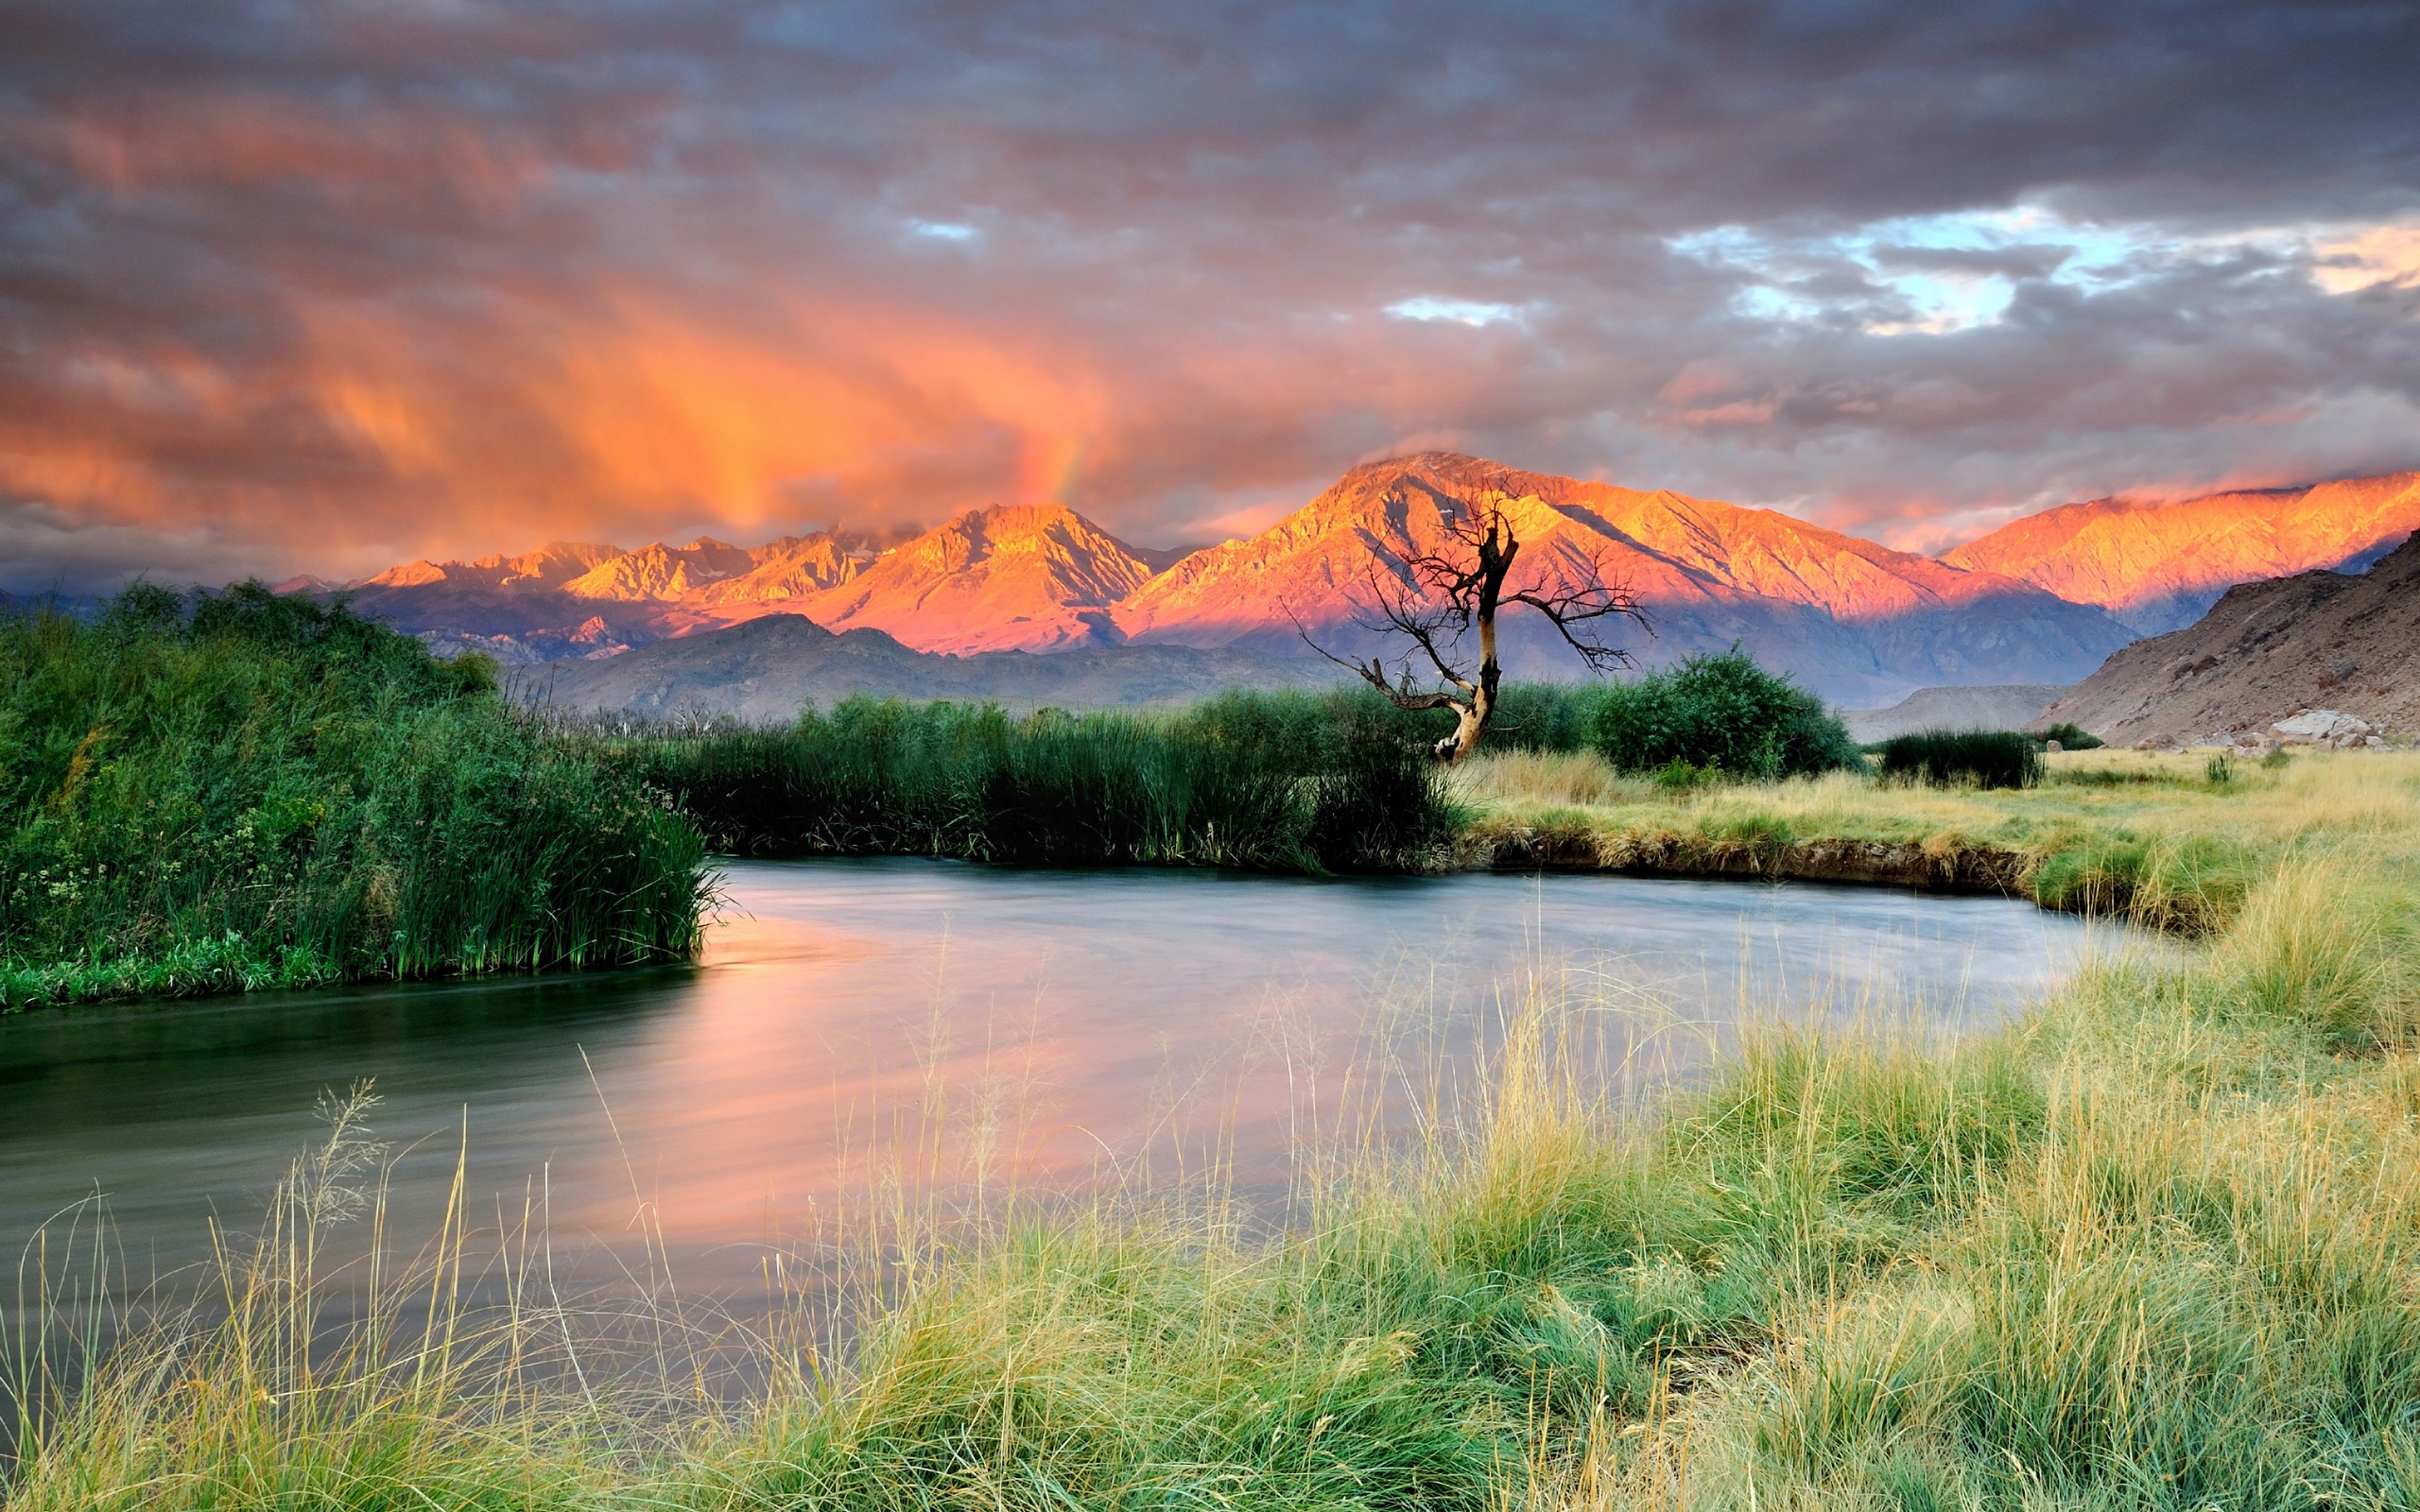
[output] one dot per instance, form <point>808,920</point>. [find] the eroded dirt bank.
<point>1960,869</point>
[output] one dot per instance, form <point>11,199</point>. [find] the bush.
<point>2072,736</point>
<point>1722,713</point>
<point>1987,757</point>
<point>1281,781</point>
<point>238,790</point>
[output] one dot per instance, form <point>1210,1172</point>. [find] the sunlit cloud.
<point>2366,257</point>
<point>343,287</point>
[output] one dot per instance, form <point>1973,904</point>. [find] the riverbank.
<point>2152,1246</point>
<point>2144,835</point>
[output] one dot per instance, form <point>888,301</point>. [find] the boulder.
<point>2322,726</point>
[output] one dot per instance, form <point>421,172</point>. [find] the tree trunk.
<point>1471,719</point>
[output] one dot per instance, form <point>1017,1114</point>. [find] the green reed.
<point>238,791</point>
<point>1269,782</point>
<point>1986,758</point>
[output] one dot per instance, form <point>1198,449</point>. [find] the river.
<point>955,1025</point>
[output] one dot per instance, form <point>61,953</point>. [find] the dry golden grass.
<point>2084,790</point>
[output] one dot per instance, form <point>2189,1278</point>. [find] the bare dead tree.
<point>1440,602</point>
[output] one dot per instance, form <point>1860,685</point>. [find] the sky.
<point>295,287</point>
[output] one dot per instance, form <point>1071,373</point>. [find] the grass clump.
<point>1271,781</point>
<point>1943,758</point>
<point>1722,713</point>
<point>236,791</point>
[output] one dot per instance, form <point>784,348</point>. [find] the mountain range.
<point>763,669</point>
<point>2157,565</point>
<point>2043,600</point>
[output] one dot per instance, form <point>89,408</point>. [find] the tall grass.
<point>2150,1248</point>
<point>236,791</point>
<point>1285,781</point>
<point>1987,757</point>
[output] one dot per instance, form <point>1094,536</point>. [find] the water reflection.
<point>950,1019</point>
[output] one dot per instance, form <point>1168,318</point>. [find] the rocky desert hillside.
<point>2316,640</point>
<point>2158,564</point>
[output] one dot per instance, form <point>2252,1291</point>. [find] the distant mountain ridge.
<point>2042,600</point>
<point>1858,622</point>
<point>764,669</point>
<point>2158,564</point>
<point>1855,620</point>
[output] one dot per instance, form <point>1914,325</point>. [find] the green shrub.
<point>1723,713</point>
<point>1677,776</point>
<point>1987,757</point>
<point>234,791</point>
<point>2072,736</point>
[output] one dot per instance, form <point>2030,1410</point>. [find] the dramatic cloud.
<point>317,286</point>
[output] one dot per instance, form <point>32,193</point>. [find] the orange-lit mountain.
<point>550,566</point>
<point>1858,622</point>
<point>1852,619</point>
<point>1033,578</point>
<point>1038,578</point>
<point>572,598</point>
<point>2157,565</point>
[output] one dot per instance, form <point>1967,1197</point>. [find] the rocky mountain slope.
<point>2158,565</point>
<point>2263,652</point>
<point>764,669</point>
<point>1039,577</point>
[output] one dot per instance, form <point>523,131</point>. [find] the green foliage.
<point>1944,757</point>
<point>1678,776</point>
<point>1279,781</point>
<point>1722,714</point>
<point>1530,716</point>
<point>2219,770</point>
<point>239,791</point>
<point>2072,736</point>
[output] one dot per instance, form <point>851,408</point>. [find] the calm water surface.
<point>853,1017</point>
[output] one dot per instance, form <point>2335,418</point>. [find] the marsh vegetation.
<point>236,791</point>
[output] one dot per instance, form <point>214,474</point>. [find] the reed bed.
<point>2152,1246</point>
<point>238,791</point>
<point>1269,783</point>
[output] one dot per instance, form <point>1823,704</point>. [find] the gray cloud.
<point>327,285</point>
